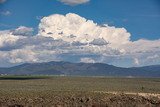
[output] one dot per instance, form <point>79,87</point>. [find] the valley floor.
<point>61,91</point>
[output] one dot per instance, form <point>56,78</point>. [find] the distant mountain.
<point>81,69</point>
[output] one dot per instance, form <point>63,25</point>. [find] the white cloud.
<point>10,37</point>
<point>74,28</point>
<point>142,46</point>
<point>5,13</point>
<point>23,31</point>
<point>74,2</point>
<point>153,57</point>
<point>74,38</point>
<point>87,60</point>
<point>6,38</point>
<point>21,56</point>
<point>136,61</point>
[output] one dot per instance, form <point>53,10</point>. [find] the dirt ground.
<point>84,100</point>
<point>57,91</point>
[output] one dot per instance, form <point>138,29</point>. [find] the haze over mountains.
<point>81,69</point>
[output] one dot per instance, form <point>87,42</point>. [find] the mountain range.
<point>81,69</point>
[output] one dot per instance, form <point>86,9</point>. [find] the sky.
<point>123,33</point>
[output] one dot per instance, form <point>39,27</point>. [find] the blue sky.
<point>123,33</point>
<point>140,17</point>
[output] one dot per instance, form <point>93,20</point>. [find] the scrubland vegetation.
<point>61,91</point>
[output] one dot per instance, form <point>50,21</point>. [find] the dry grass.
<point>48,91</point>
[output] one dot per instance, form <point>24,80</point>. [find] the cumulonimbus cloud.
<point>74,28</point>
<point>73,38</point>
<point>74,2</point>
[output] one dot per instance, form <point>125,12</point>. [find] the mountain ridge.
<point>81,69</point>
